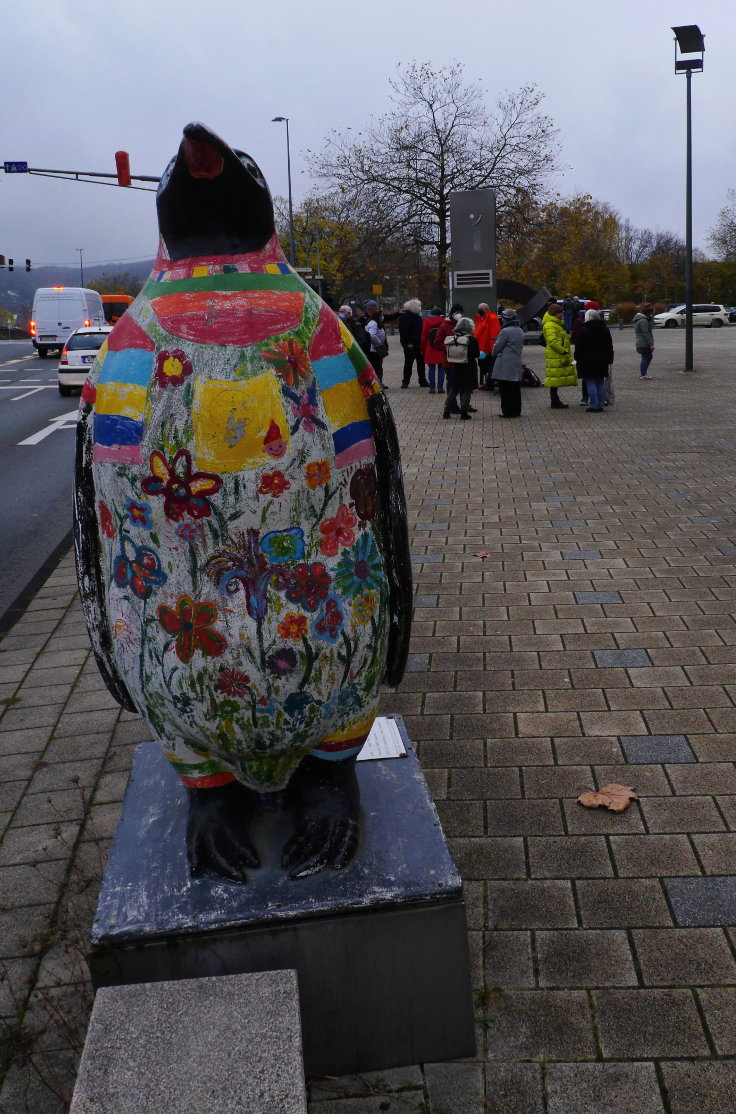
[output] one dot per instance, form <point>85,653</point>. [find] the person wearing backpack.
<point>354,326</point>
<point>434,356</point>
<point>461,350</point>
<point>445,330</point>
<point>508,350</point>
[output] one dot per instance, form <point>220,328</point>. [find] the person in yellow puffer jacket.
<point>560,370</point>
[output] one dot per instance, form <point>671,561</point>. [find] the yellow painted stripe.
<point>344,403</point>
<point>126,399</point>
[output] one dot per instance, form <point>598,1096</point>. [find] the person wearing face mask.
<point>354,326</point>
<point>446,329</point>
<point>487,328</point>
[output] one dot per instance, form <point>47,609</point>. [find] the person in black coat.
<point>410,335</point>
<point>594,356</point>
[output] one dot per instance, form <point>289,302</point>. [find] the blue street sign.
<point>16,167</point>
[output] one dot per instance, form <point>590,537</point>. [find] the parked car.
<point>78,355</point>
<point>703,314</point>
<point>731,311</point>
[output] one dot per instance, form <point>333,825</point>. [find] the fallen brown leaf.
<point>481,555</point>
<point>616,798</point>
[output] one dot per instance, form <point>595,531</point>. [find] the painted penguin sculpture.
<point>240,523</point>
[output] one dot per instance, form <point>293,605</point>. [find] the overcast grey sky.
<point>83,79</point>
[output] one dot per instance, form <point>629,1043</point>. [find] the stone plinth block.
<point>380,948</point>
<point>207,1046</point>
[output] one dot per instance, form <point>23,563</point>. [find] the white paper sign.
<point>384,741</point>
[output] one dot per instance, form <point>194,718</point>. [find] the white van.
<point>58,311</point>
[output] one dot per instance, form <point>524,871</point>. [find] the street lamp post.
<point>81,266</point>
<point>689,40</point>
<point>292,248</point>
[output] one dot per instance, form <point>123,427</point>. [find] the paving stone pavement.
<point>574,625</point>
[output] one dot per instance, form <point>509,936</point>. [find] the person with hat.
<point>508,352</point>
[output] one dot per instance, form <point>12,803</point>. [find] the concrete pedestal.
<point>380,948</point>
<point>205,1046</point>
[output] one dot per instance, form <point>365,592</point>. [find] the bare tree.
<point>438,138</point>
<point>722,237</point>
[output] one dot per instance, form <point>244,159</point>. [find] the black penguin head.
<point>212,200</point>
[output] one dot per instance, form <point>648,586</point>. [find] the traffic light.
<point>10,265</point>
<point>2,260</point>
<point>122,165</point>
<point>28,264</point>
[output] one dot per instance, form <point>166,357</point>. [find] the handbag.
<point>610,392</point>
<point>381,350</point>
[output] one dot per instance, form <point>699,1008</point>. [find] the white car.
<point>703,314</point>
<point>78,355</point>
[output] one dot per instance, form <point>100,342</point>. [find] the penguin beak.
<point>203,159</point>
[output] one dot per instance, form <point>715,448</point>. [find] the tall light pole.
<point>689,40</point>
<point>292,248</point>
<point>81,266</point>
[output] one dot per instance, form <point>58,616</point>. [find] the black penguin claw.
<point>326,799</point>
<point>217,837</point>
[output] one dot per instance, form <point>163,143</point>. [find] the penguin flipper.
<point>89,566</point>
<point>394,531</point>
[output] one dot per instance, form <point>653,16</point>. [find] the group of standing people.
<point>454,355</point>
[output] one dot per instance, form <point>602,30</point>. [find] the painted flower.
<point>364,606</point>
<point>232,682</point>
<point>106,522</point>
<point>329,622</point>
<point>273,483</point>
<point>184,492</point>
<point>242,564</point>
<point>125,625</point>
<point>282,662</point>
<point>337,531</point>
<point>363,488</point>
<point>137,567</point>
<point>172,368</point>
<point>284,545</point>
<point>305,409</point>
<point>139,514</point>
<point>318,473</point>
<point>187,532</point>
<point>293,626</point>
<point>360,569</point>
<point>191,625</point>
<point>309,585</point>
<point>290,360</point>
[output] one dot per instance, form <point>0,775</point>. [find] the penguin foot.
<point>217,837</point>
<point>326,798</point>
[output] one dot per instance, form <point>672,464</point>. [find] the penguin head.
<point>212,200</point>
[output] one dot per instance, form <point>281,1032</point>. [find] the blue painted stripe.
<point>351,435</point>
<point>331,370</point>
<point>133,365</point>
<point>284,268</point>
<point>114,429</point>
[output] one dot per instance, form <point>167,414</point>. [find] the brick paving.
<point>596,641</point>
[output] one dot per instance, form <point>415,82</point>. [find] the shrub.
<point>624,311</point>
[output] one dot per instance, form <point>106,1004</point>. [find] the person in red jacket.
<point>434,357</point>
<point>487,328</point>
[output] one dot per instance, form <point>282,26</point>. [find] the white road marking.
<point>62,421</point>
<point>29,390</point>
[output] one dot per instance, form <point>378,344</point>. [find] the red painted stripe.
<point>332,747</point>
<point>89,392</point>
<point>127,334</point>
<point>207,782</point>
<point>229,317</point>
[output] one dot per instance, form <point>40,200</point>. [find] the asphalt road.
<point>36,469</point>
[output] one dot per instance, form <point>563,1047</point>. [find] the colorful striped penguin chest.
<point>236,491</point>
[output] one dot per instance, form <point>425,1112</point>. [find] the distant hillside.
<point>18,287</point>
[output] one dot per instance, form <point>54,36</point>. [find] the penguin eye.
<point>166,175</point>
<point>252,167</point>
